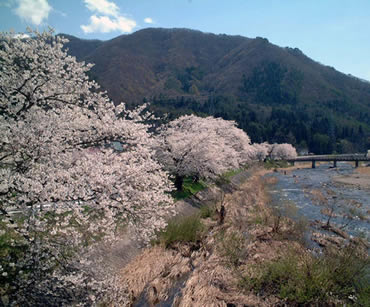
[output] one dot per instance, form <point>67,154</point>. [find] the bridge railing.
<point>335,158</point>
<point>344,157</point>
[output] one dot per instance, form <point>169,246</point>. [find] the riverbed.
<point>318,195</point>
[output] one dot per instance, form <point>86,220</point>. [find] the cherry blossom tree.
<point>202,147</point>
<point>283,151</point>
<point>58,169</point>
<point>262,150</point>
<point>275,151</point>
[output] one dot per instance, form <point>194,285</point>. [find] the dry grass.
<point>156,269</point>
<point>211,275</point>
<point>213,284</point>
<point>215,280</point>
<point>210,280</point>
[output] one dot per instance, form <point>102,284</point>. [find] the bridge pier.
<point>335,163</point>
<point>356,163</point>
<point>313,164</point>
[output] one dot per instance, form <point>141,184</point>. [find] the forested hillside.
<point>275,94</point>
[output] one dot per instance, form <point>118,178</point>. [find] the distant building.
<point>303,152</point>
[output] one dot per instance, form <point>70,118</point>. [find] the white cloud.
<point>104,7</point>
<point>105,24</point>
<point>33,11</point>
<point>21,36</point>
<point>107,18</point>
<point>148,20</point>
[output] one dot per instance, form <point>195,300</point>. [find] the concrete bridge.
<point>335,158</point>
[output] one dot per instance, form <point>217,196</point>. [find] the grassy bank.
<point>189,188</point>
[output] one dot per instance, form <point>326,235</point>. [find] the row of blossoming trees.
<point>207,147</point>
<point>70,188</point>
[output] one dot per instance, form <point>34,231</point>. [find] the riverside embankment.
<point>200,272</point>
<point>255,257</point>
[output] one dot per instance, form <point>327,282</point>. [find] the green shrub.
<point>189,187</point>
<point>207,211</point>
<point>225,177</point>
<point>232,248</point>
<point>181,229</point>
<point>193,186</point>
<point>303,278</point>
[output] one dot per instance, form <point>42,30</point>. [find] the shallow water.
<point>313,193</point>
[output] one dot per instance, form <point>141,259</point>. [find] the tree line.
<point>311,128</point>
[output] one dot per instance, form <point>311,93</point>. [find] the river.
<point>316,197</point>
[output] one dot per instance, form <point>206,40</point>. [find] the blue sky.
<point>333,32</point>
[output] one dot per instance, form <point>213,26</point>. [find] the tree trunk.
<point>221,216</point>
<point>178,182</point>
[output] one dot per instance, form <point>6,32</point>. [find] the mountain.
<point>81,48</point>
<point>274,93</point>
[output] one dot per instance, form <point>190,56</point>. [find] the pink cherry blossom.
<point>57,167</point>
<point>203,147</point>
